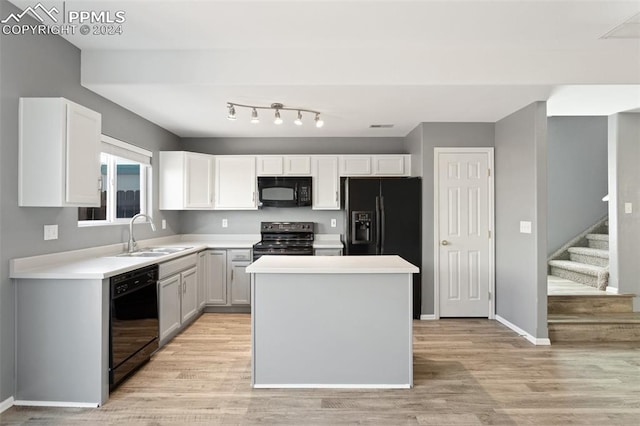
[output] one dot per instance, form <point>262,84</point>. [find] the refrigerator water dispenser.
<point>361,227</point>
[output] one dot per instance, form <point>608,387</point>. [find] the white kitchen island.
<point>331,322</point>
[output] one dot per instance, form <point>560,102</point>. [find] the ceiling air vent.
<point>381,126</point>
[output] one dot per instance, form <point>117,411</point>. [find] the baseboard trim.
<point>536,341</point>
<point>6,404</point>
<point>428,317</point>
<point>71,404</point>
<point>612,290</point>
<point>331,386</point>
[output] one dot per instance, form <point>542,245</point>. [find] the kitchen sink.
<point>153,252</point>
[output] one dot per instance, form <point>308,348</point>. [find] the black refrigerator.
<point>384,217</point>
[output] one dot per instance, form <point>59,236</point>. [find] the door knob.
<point>445,243</point>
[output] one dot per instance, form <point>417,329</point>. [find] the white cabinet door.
<point>269,165</point>
<point>327,252</point>
<point>326,183</point>
<point>189,283</point>
<point>390,165</point>
<point>240,283</point>
<point>297,165</point>
<point>235,183</point>
<point>83,155</point>
<point>355,165</point>
<point>198,180</point>
<point>58,154</point>
<point>169,291</point>
<point>217,283</point>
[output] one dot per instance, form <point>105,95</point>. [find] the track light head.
<point>298,119</point>
<point>232,112</point>
<point>254,116</point>
<point>277,120</point>
<point>319,121</point>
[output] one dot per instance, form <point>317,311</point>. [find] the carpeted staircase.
<point>585,259</point>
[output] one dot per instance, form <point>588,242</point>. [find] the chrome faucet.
<point>132,242</point>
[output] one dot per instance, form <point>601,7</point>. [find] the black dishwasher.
<point>133,322</point>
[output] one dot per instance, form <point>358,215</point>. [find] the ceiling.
<point>360,63</point>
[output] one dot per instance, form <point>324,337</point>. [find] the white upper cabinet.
<point>326,183</point>
<point>269,165</point>
<point>375,165</point>
<point>297,165</point>
<point>235,182</point>
<point>186,180</point>
<point>283,165</point>
<point>59,154</point>
<point>355,165</point>
<point>391,165</point>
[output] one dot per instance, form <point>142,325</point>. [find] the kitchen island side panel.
<point>332,330</point>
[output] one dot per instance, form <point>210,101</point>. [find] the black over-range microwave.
<point>289,191</point>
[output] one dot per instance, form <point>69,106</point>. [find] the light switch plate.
<point>628,208</point>
<point>334,223</point>
<point>225,223</point>
<point>50,232</point>
<point>525,227</point>
<point>164,223</point>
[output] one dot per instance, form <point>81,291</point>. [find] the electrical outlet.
<point>164,224</point>
<point>334,223</point>
<point>50,232</point>
<point>225,223</point>
<point>628,208</point>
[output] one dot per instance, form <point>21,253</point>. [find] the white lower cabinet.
<point>228,283</point>
<point>170,305</point>
<point>327,252</point>
<point>177,295</point>
<point>189,306</point>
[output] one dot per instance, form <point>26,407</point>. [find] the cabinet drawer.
<point>239,254</point>
<point>173,266</point>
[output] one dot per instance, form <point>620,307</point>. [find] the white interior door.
<point>464,211</point>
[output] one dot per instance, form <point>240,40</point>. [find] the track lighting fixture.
<point>278,107</point>
<point>232,112</point>
<point>277,120</point>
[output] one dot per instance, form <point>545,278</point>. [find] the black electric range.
<point>284,238</point>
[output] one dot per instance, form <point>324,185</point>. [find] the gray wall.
<point>577,173</point>
<point>624,187</point>
<point>242,146</point>
<point>441,135</point>
<point>49,66</point>
<point>520,187</point>
<point>413,144</point>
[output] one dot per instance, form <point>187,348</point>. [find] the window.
<point>126,184</point>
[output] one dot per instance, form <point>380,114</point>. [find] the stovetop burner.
<point>285,238</point>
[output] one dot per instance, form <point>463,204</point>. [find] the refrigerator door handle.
<point>382,221</point>
<point>378,228</point>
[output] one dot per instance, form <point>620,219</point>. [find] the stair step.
<point>598,241</point>
<point>589,304</point>
<point>594,276</point>
<point>588,255</point>
<point>611,327</point>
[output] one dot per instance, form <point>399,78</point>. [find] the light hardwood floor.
<point>466,372</point>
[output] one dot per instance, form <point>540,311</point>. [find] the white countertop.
<point>331,265</point>
<point>102,262</point>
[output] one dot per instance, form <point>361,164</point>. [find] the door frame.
<point>436,222</point>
